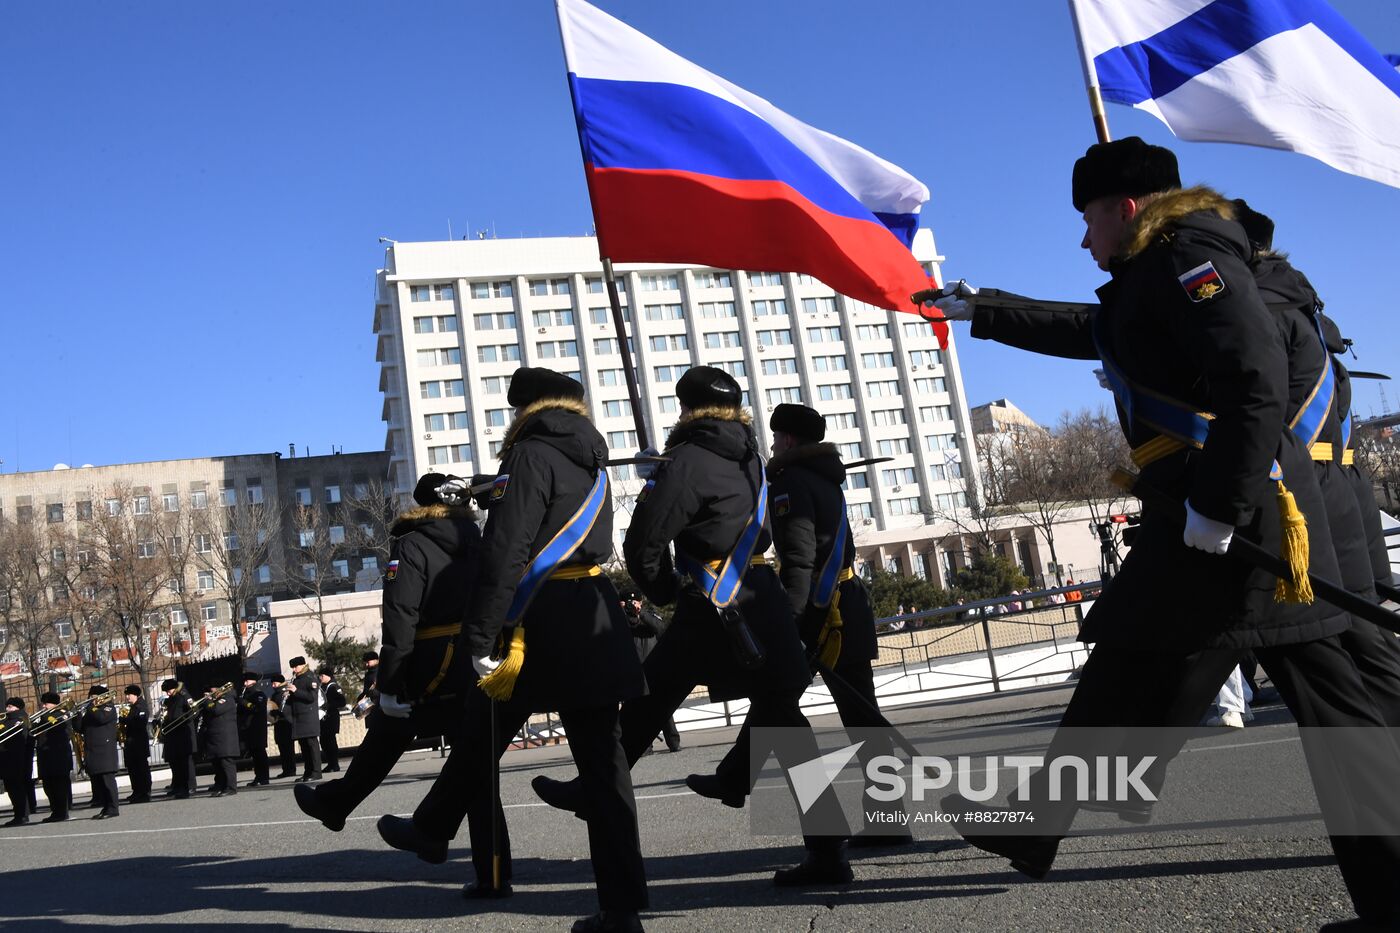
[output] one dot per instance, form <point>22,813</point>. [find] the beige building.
<point>1001,417</point>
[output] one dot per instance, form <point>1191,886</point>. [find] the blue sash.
<point>560,548</point>
<point>824,587</point>
<point>1307,423</point>
<point>721,586</point>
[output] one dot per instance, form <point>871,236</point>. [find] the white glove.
<point>647,470</point>
<point>393,706</point>
<point>1102,378</point>
<point>950,300</point>
<point>1206,534</point>
<point>484,666</point>
<point>456,491</point>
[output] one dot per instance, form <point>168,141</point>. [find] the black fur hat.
<point>799,421</point>
<point>249,675</point>
<point>16,702</point>
<point>169,685</point>
<point>296,662</point>
<point>705,386</point>
<point>425,493</point>
<point>132,690</point>
<point>531,383</point>
<point>1258,227</point>
<point>50,697</point>
<point>1129,167</point>
<point>97,690</point>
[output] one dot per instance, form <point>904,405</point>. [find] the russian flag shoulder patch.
<point>1202,282</point>
<point>498,488</point>
<point>646,491</point>
<point>391,571</point>
<point>782,504</point>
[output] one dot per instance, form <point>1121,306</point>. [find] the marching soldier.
<point>134,725</point>
<point>332,702</point>
<point>1181,331</point>
<point>98,727</point>
<point>178,740</point>
<point>422,681</point>
<point>371,658</point>
<point>549,524</point>
<point>53,749</point>
<point>220,724</point>
<point>816,557</point>
<point>733,628</point>
<point>302,702</point>
<point>282,727</point>
<point>252,727</point>
<point>16,759</point>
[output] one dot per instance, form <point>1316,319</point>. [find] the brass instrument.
<point>274,707</point>
<point>209,699</point>
<point>65,711</point>
<point>123,709</point>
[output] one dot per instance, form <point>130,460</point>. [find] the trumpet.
<point>40,722</point>
<point>202,703</point>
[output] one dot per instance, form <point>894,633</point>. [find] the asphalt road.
<point>255,861</point>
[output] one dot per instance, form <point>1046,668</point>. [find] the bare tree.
<point>1036,478</point>
<point>242,542</point>
<point>313,565</point>
<point>24,599</point>
<point>370,510</point>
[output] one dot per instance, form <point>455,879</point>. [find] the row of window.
<point>142,505</point>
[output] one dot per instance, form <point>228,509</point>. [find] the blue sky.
<point>194,192</point>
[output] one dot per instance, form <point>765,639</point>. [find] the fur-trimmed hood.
<point>1167,211</point>
<point>562,423</point>
<point>822,459</point>
<point>452,527</point>
<point>724,431</point>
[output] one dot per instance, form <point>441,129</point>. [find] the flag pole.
<point>1091,78</point>
<point>619,324</point>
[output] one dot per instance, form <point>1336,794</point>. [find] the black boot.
<point>17,821</point>
<point>561,795</point>
<point>821,866</point>
<point>1032,856</point>
<point>403,834</point>
<point>480,890</point>
<point>610,921</point>
<point>309,799</point>
<point>714,787</point>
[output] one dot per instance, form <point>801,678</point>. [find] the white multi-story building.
<point>454,319</point>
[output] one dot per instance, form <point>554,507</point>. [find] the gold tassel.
<point>830,638</point>
<point>1294,548</point>
<point>500,683</point>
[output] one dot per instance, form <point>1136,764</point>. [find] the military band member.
<point>371,659</point>
<point>710,499</point>
<point>98,727</point>
<point>332,702</point>
<point>220,724</point>
<point>136,744</point>
<point>548,526</point>
<point>53,750</point>
<point>303,701</point>
<point>178,741</point>
<point>422,681</point>
<point>252,727</point>
<point>16,760</point>
<point>282,727</point>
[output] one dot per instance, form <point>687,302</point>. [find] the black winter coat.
<point>1221,354</point>
<point>252,718</point>
<point>332,702</point>
<point>701,500</point>
<point>177,742</point>
<point>54,749</point>
<point>220,723</point>
<point>98,727</point>
<point>806,498</point>
<point>136,724</point>
<point>578,647</point>
<point>432,568</point>
<point>16,753</point>
<point>306,721</point>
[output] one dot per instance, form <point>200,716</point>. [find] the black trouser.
<point>17,787</point>
<point>258,752</point>
<point>466,787</point>
<point>59,790</point>
<point>671,734</point>
<point>669,684</point>
<point>226,775</point>
<point>310,756</point>
<point>182,777</point>
<point>104,791</point>
<point>386,739</point>
<point>1377,656</point>
<point>138,768</point>
<point>330,742</point>
<point>286,748</point>
<point>1319,682</point>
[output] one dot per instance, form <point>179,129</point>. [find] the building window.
<point>447,324</point>
<point>783,367</point>
<point>170,502</point>
<point>179,617</point>
<point>562,317</point>
<point>941,442</point>
<point>114,508</point>
<point>882,389</point>
<point>669,373</point>
<point>622,440</point>
<point>616,408</point>
<point>264,574</point>
<point>791,394</point>
<point>306,537</point>
<point>308,571</point>
<point>763,279</point>
<point>555,349</point>
<point>670,342</point>
<point>255,491</point>
<point>493,385</point>
<point>340,568</point>
<point>231,541</point>
<point>209,611</point>
<point>925,386</point>
<point>495,448</point>
<point>501,289</point>
<point>873,332</point>
<point>85,511</point>
<point>423,325</point>
<point>722,340</point>
<point>419,293</point>
<point>818,305</point>
<point>891,446</point>
<point>610,377</point>
<point>829,393</point>
<point>434,423</point>
<point>918,329</point>
<point>438,455</point>
<point>663,313</point>
<point>717,309</point>
<point>931,413</point>
<point>770,307</point>
<point>824,334</point>
<point>849,452</point>
<point>199,499</point>
<point>735,368</point>
<point>775,338</point>
<point>841,421</point>
<point>859,510</point>
<point>55,512</point>
<point>713,280</point>
<point>668,403</point>
<point>444,292</point>
<point>856,480</point>
<point>659,283</point>
<point>430,389</point>
<point>204,581</point>
<point>829,364</point>
<point>142,505</point>
<point>909,506</point>
<point>497,417</point>
<point>925,357</point>
<point>887,417</point>
<point>145,549</point>
<point>549,287</point>
<point>877,360</point>
<point>228,496</point>
<point>897,476</point>
<point>499,353</point>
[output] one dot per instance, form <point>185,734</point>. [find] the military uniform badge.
<point>498,488</point>
<point>391,571</point>
<point>646,491</point>
<point>1202,282</point>
<point>781,505</point>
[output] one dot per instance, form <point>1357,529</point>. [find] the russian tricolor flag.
<point>684,166</point>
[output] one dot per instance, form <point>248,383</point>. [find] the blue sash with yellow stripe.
<point>721,584</point>
<point>824,587</point>
<point>560,548</point>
